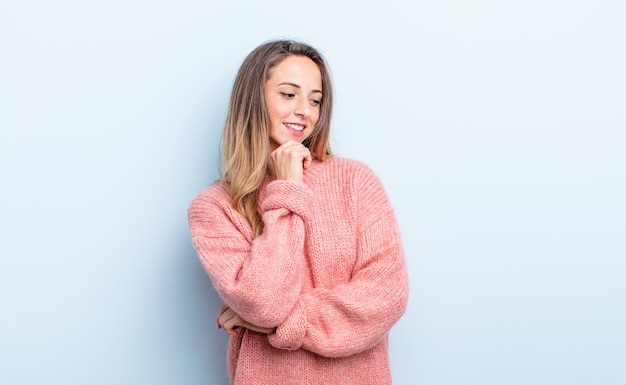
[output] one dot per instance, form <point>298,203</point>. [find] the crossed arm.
<point>260,280</point>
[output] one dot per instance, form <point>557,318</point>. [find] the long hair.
<point>245,142</point>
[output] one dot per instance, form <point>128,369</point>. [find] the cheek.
<point>278,111</point>
<point>273,108</point>
<point>316,117</point>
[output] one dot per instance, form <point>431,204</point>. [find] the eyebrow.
<point>297,86</point>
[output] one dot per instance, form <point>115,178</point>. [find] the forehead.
<point>297,69</point>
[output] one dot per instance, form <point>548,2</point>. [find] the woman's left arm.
<point>355,316</point>
<point>350,318</point>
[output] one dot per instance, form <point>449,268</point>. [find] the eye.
<point>288,95</point>
<point>316,102</point>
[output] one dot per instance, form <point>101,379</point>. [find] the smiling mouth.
<point>295,127</point>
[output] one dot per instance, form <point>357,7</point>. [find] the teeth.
<point>296,127</point>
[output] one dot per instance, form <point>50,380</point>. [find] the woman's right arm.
<point>258,278</point>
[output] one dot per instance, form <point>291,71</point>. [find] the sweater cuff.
<point>290,334</point>
<point>293,196</point>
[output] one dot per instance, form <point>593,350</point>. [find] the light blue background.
<point>498,129</point>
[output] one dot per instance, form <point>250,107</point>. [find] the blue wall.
<point>498,129</point>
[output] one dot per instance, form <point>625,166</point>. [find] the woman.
<point>302,246</point>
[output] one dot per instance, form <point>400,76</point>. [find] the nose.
<point>302,108</point>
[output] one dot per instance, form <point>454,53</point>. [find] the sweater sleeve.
<point>258,278</point>
<point>355,316</point>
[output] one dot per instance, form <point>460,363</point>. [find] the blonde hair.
<point>245,141</point>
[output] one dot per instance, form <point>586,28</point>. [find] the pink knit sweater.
<point>328,272</point>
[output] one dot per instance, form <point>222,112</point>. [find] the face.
<point>293,94</point>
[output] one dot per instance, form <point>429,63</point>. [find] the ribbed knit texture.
<point>328,272</point>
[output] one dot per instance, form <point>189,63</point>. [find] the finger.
<point>232,324</point>
<point>287,142</point>
<point>223,309</point>
<point>289,145</point>
<point>289,160</point>
<point>227,325</point>
<point>225,316</point>
<point>231,330</point>
<point>308,159</point>
<point>219,313</point>
<point>297,152</point>
<point>255,328</point>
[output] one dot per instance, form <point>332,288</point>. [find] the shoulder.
<point>354,180</point>
<point>360,174</point>
<point>212,214</point>
<point>365,187</point>
<point>214,197</point>
<point>215,193</point>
